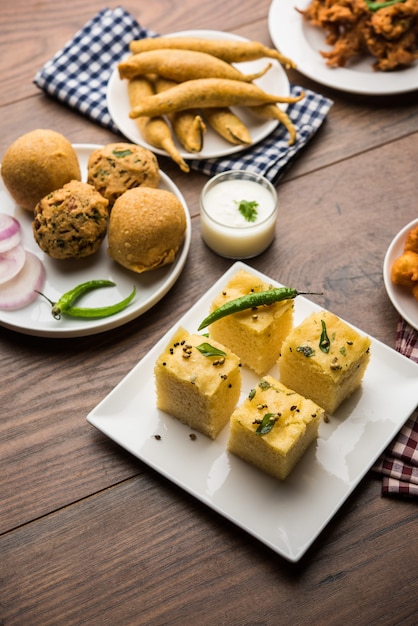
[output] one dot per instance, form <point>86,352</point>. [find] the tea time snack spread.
<point>37,163</point>
<point>198,382</point>
<point>324,359</point>
<point>256,334</point>
<point>120,166</point>
<point>273,427</point>
<point>71,222</point>
<point>146,228</point>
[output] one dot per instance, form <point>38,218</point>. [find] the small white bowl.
<point>224,226</point>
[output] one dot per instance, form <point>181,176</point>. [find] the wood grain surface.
<point>89,534</point>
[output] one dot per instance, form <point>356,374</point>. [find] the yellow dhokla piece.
<point>255,335</point>
<point>295,422</point>
<point>200,390</point>
<point>327,377</point>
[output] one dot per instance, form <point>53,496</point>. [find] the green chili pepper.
<point>250,301</point>
<point>64,306</point>
<point>375,6</point>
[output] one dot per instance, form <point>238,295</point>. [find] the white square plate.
<point>286,516</point>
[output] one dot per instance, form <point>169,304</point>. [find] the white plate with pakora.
<point>274,81</point>
<point>401,297</point>
<point>296,38</point>
<point>62,275</point>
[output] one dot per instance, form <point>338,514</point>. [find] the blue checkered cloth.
<point>78,76</point>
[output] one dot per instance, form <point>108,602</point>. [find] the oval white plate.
<point>36,319</point>
<point>401,298</point>
<point>300,41</point>
<point>274,81</point>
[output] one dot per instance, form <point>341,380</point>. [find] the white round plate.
<point>274,81</point>
<point>36,319</point>
<point>401,298</point>
<point>299,40</point>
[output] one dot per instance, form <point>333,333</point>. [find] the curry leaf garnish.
<point>267,424</point>
<point>324,342</point>
<point>207,350</point>
<point>248,209</point>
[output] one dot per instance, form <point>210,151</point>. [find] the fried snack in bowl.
<point>71,222</point>
<point>37,163</point>
<point>405,269</point>
<point>411,242</point>
<point>117,167</point>
<point>146,229</point>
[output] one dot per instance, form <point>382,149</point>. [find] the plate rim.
<point>92,327</point>
<point>397,295</point>
<point>100,416</point>
<point>230,149</point>
<point>313,67</point>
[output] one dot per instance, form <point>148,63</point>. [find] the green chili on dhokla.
<point>251,301</point>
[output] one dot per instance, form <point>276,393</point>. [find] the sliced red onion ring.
<point>11,262</point>
<point>21,290</point>
<point>9,232</point>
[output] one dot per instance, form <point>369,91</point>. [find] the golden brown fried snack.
<point>231,51</point>
<point>71,222</point>
<point>411,242</point>
<point>120,166</point>
<point>37,163</point>
<point>155,130</point>
<point>187,125</point>
<point>389,33</point>
<point>146,229</point>
<point>405,269</point>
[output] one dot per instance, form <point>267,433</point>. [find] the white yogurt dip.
<point>224,227</point>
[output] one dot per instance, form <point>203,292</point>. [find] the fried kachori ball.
<point>117,167</point>
<point>146,228</point>
<point>405,269</point>
<point>71,222</point>
<point>36,164</point>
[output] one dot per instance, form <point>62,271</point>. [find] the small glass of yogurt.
<point>238,212</point>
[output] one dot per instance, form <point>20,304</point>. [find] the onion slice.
<point>11,262</point>
<point>22,289</point>
<point>9,232</point>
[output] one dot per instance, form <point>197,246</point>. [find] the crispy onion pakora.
<point>405,267</point>
<point>387,30</point>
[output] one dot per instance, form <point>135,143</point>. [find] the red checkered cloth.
<point>399,463</point>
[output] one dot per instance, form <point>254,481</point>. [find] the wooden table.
<point>89,534</point>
